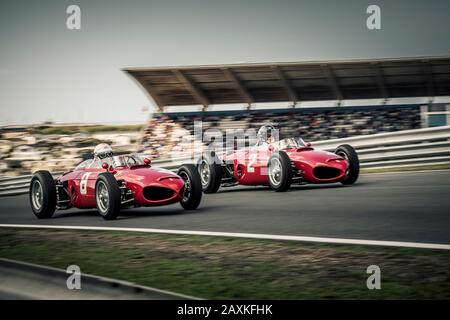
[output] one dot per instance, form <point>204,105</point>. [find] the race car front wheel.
<point>280,171</point>
<point>210,172</point>
<point>42,194</point>
<point>107,196</point>
<point>347,152</point>
<point>192,191</point>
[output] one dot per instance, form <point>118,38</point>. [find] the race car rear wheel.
<point>192,191</point>
<point>107,196</point>
<point>43,194</point>
<point>347,152</point>
<point>280,171</point>
<point>210,172</point>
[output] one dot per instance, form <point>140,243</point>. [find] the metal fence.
<point>383,150</point>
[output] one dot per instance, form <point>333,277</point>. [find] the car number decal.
<point>251,162</point>
<point>83,183</point>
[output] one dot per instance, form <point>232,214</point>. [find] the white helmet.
<point>103,150</point>
<point>266,132</point>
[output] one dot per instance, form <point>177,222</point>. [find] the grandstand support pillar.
<point>148,89</point>
<point>424,116</point>
<point>447,108</point>
<point>329,75</point>
<point>428,75</point>
<point>381,83</point>
<point>291,94</point>
<point>230,76</point>
<point>194,90</point>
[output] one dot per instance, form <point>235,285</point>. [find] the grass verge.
<point>233,268</point>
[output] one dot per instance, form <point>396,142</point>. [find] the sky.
<point>51,73</point>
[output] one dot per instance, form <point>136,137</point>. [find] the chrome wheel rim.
<point>102,196</point>
<point>343,155</point>
<point>205,173</point>
<point>37,196</point>
<point>275,173</point>
<point>187,186</point>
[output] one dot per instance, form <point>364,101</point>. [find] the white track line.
<point>246,235</point>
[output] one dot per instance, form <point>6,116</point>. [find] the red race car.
<point>110,183</point>
<point>278,164</point>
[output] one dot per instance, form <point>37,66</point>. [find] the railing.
<point>11,186</point>
<point>401,148</point>
<point>383,150</point>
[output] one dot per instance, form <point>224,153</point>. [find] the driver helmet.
<point>266,133</point>
<point>103,150</point>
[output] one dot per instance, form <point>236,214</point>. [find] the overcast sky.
<point>48,72</point>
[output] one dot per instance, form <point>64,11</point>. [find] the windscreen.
<point>127,160</point>
<point>289,143</point>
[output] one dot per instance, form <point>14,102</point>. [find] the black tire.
<point>192,192</point>
<point>109,209</point>
<point>348,152</point>
<point>44,205</point>
<point>284,180</point>
<point>214,172</point>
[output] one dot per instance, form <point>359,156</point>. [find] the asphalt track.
<point>20,280</point>
<point>410,207</point>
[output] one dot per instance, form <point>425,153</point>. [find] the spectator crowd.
<point>166,131</point>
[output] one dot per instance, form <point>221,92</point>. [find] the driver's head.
<point>103,150</point>
<point>266,134</point>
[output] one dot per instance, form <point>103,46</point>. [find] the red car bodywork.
<point>250,166</point>
<point>136,179</point>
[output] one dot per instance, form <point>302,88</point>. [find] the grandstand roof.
<point>295,81</point>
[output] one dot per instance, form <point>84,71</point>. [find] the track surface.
<point>26,281</point>
<point>398,207</point>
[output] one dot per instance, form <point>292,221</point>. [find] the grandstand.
<point>295,84</point>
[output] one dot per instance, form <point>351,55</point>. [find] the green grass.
<point>409,168</point>
<point>233,268</point>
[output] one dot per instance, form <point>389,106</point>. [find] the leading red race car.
<point>110,183</point>
<point>278,164</point>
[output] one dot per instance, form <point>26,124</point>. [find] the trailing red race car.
<point>278,164</point>
<point>110,183</point>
